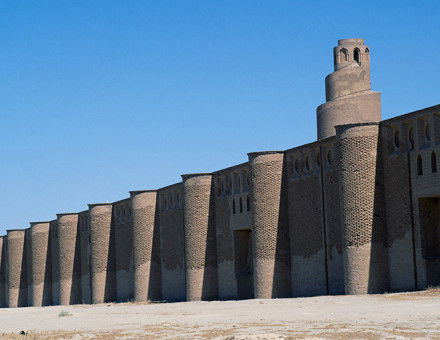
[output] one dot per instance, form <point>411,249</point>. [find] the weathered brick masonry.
<point>355,212</point>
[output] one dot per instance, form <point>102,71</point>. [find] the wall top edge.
<point>17,229</point>
<point>409,115</point>
<point>39,222</point>
<point>257,153</point>
<point>351,41</point>
<point>347,126</point>
<point>136,192</point>
<point>66,214</point>
<point>186,176</point>
<point>91,205</point>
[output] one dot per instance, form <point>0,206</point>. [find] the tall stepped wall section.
<point>172,245</point>
<point>85,253</point>
<point>233,232</point>
<point>16,275</point>
<point>102,256</point>
<point>307,239</point>
<point>411,154</point>
<point>68,259</point>
<point>2,272</point>
<point>39,265</point>
<point>271,253</point>
<point>146,257</point>
<point>200,237</point>
<point>122,220</point>
<point>362,209</point>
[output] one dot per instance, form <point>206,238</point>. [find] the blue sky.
<point>101,97</point>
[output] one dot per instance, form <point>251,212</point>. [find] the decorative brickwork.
<point>102,259</point>
<point>147,285</point>
<point>39,275</point>
<point>16,278</point>
<point>123,231</point>
<point>2,272</point>
<point>69,265</point>
<point>172,245</point>
<point>362,213</point>
<point>200,242</point>
<point>85,253</point>
<point>270,230</point>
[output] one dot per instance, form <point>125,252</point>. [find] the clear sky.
<point>101,97</point>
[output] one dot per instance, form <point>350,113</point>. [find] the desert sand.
<point>390,316</point>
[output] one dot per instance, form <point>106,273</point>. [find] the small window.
<point>233,206</point>
<point>318,161</point>
<point>248,203</point>
<point>427,132</point>
<point>419,165</point>
<point>357,55</point>
<point>307,164</point>
<point>367,50</point>
<point>411,138</point>
<point>329,157</point>
<point>433,162</point>
<point>241,205</point>
<point>396,139</point>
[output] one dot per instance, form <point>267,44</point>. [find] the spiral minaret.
<point>349,99</point>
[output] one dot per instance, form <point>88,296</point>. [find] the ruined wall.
<point>146,246</point>
<point>39,265</point>
<point>306,223</point>
<point>123,231</point>
<point>172,254</point>
<point>200,241</point>
<point>269,225</point>
<point>16,279</point>
<point>102,259</point>
<point>69,261</point>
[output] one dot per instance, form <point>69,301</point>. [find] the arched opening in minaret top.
<point>343,55</point>
<point>357,55</point>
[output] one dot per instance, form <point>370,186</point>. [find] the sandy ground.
<point>391,316</point>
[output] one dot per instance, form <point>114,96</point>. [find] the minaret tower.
<point>349,99</point>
